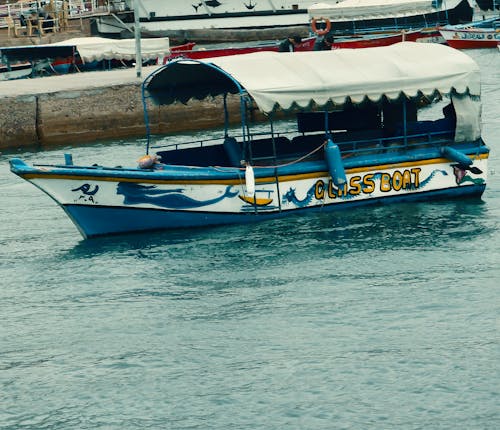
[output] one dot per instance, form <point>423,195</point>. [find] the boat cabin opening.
<point>357,130</point>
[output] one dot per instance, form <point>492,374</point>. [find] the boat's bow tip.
<point>17,164</point>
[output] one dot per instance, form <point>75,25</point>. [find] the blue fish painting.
<point>170,199</point>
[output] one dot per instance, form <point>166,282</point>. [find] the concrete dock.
<point>89,106</point>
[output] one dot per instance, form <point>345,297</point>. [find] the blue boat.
<point>342,129</point>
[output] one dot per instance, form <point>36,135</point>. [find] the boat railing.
<point>396,28</point>
<point>268,149</point>
<point>69,9</point>
<point>397,143</point>
<point>196,143</point>
<point>216,140</point>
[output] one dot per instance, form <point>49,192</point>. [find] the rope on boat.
<point>277,165</point>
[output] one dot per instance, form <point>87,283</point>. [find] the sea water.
<point>376,318</point>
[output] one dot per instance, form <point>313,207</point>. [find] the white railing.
<point>74,8</point>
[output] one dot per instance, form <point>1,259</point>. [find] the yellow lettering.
<point>355,186</point>
<point>406,180</point>
<point>342,191</point>
<point>416,176</point>
<point>385,182</point>
<point>319,190</point>
<point>332,191</point>
<point>368,184</point>
<point>397,180</point>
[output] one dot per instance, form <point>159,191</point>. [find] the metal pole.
<point>137,32</point>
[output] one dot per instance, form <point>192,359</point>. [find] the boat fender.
<point>334,162</point>
<point>453,154</point>
<point>250,181</point>
<point>321,32</point>
<point>148,161</point>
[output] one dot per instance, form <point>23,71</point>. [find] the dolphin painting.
<point>172,199</point>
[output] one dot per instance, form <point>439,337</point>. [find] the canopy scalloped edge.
<point>302,79</point>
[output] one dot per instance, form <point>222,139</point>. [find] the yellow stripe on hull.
<point>270,179</point>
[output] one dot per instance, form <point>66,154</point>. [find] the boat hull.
<point>185,20</point>
<point>471,39</point>
<point>376,40</point>
<point>113,201</point>
<point>307,44</point>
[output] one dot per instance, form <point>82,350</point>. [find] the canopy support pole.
<point>328,135</point>
<point>226,116</point>
<point>275,155</point>
<point>404,122</point>
<point>146,117</point>
<point>245,130</point>
<point>137,33</point>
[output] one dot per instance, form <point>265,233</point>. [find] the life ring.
<point>314,26</point>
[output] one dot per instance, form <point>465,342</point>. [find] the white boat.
<point>362,15</point>
<point>165,17</point>
<point>474,35</point>
<point>353,141</point>
<point>201,18</point>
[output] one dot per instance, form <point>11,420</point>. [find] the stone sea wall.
<point>78,116</point>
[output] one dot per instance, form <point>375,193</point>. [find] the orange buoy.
<point>321,32</point>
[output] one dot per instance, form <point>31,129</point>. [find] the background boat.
<point>87,53</point>
<point>481,34</point>
<point>385,39</point>
<point>354,16</point>
<point>209,20</point>
<point>307,44</point>
<point>204,17</point>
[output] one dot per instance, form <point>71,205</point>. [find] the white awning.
<point>100,48</point>
<point>356,10</point>
<point>300,79</point>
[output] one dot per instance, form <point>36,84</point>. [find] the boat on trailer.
<point>335,137</point>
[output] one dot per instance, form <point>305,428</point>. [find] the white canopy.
<point>299,79</point>
<point>355,10</point>
<point>100,48</point>
<point>303,79</point>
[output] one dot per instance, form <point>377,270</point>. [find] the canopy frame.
<point>308,81</point>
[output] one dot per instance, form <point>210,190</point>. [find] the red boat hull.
<point>470,44</point>
<point>471,39</point>
<point>306,45</point>
<point>371,41</point>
